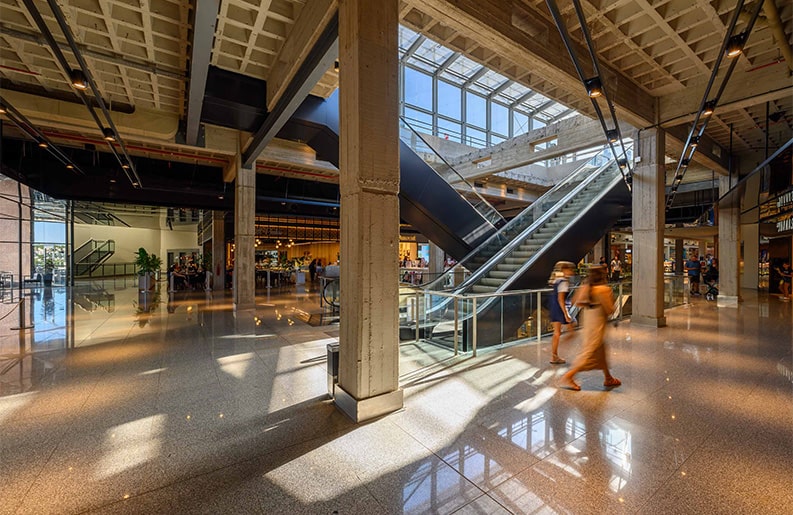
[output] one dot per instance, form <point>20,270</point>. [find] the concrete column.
<point>648,231</point>
<point>679,260</point>
<point>729,250</point>
<point>369,184</point>
<point>218,250</point>
<point>436,261</point>
<point>751,255</point>
<point>244,283</point>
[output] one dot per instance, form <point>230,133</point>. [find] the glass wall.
<point>455,98</point>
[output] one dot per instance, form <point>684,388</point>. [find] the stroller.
<point>712,281</point>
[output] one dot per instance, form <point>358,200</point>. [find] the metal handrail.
<point>484,207</point>
<point>525,214</point>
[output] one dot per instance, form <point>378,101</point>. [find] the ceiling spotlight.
<point>594,88</point>
<point>221,197</point>
<point>3,110</point>
<point>108,134</point>
<point>135,184</point>
<point>125,166</point>
<point>70,166</point>
<point>78,79</point>
<point>43,144</point>
<point>684,163</point>
<point>710,106</point>
<point>735,44</point>
<point>612,135</point>
<point>336,65</point>
<point>112,181</point>
<point>622,162</point>
<point>694,141</point>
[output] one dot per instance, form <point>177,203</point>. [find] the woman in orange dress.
<point>597,303</point>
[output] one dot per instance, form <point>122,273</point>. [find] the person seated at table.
<point>179,277</point>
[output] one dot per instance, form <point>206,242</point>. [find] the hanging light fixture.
<point>594,88</point>
<point>735,45</point>
<point>78,79</point>
<point>108,134</point>
<point>622,162</point>
<point>336,65</point>
<point>3,110</point>
<point>694,142</point>
<point>684,163</point>
<point>612,135</point>
<point>710,106</point>
<point>43,144</point>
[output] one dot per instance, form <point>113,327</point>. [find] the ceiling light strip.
<point>708,104</point>
<point>594,86</point>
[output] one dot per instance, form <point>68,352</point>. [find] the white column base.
<point>648,321</point>
<point>727,301</point>
<point>366,409</point>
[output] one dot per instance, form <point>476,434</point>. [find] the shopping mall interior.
<point>289,256</point>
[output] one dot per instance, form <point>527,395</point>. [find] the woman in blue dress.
<point>558,305</point>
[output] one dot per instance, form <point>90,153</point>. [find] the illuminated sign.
<point>784,199</point>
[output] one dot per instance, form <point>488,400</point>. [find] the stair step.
<point>477,288</point>
<point>500,274</point>
<point>507,267</point>
<point>487,281</point>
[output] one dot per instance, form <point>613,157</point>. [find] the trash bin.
<point>333,368</point>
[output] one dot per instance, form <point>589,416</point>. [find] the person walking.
<point>597,304</point>
<point>558,305</point>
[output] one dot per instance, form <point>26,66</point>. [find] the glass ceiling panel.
<point>429,56</point>
<point>433,52</point>
<point>462,67</point>
<point>406,38</point>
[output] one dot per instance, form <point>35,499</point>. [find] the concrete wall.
<point>10,246</point>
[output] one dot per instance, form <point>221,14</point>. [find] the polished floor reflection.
<point>172,404</point>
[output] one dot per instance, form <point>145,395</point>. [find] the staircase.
<point>91,254</point>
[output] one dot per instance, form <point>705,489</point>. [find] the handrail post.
<point>473,340</point>
<point>456,324</point>
<point>539,316</point>
<point>619,286</point>
<point>416,315</point>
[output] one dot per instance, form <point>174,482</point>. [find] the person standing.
<point>616,268</point>
<point>312,269</point>
<point>597,304</point>
<point>558,305</point>
<point>693,268</point>
<point>785,275</point>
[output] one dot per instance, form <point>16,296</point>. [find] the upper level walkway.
<point>187,408</point>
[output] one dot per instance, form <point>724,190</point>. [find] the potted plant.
<point>49,266</point>
<point>147,265</point>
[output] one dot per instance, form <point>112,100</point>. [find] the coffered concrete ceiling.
<point>657,55</point>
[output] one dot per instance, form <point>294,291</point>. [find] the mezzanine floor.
<point>189,409</point>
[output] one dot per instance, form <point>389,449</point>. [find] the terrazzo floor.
<point>176,405</point>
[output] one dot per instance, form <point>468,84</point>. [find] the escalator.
<point>564,224</point>
<point>455,217</point>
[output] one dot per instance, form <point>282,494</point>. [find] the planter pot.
<point>146,282</point>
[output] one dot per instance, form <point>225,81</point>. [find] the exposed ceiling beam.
<point>303,38</point>
<point>318,60</point>
<point>206,15</point>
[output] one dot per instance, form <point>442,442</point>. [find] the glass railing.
<point>519,228</point>
<point>434,160</point>
<point>509,318</point>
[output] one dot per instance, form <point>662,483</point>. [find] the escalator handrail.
<point>515,221</point>
<point>489,212</point>
<point>538,223</point>
<point>578,216</point>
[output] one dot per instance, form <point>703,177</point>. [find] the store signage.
<point>784,200</point>
<point>785,225</point>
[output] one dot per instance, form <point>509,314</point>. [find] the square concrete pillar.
<point>729,250</point>
<point>244,282</point>
<point>369,185</point>
<point>648,230</point>
<point>750,234</point>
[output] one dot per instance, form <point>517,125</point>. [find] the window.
<point>418,88</point>
<point>450,130</point>
<point>419,120</point>
<point>476,110</point>
<point>520,123</point>
<point>448,100</point>
<point>499,119</point>
<point>475,137</point>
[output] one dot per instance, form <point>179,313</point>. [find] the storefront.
<point>776,228</point>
